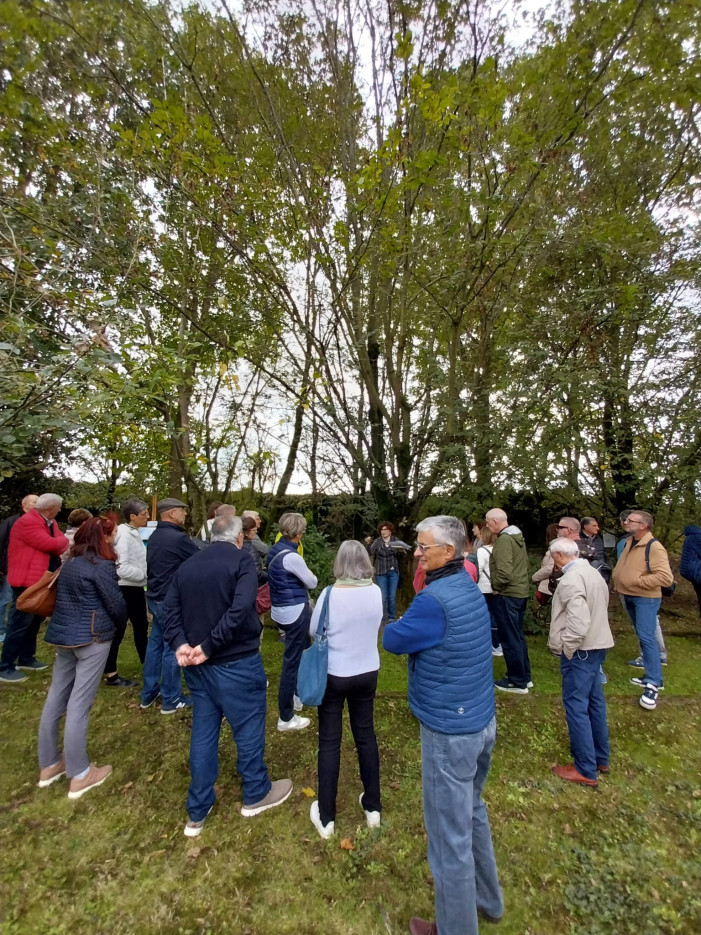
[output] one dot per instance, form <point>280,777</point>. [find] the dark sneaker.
<point>33,666</point>
<point>185,702</point>
<point>637,663</point>
<point>419,926</point>
<point>150,701</point>
<point>96,775</point>
<point>648,699</point>
<point>642,682</point>
<point>279,791</point>
<point>51,773</point>
<point>600,768</point>
<point>505,685</point>
<point>118,681</point>
<point>12,675</point>
<point>194,828</point>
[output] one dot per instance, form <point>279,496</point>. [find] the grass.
<point>620,860</point>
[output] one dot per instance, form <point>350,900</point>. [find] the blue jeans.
<point>460,853</point>
<point>296,641</point>
<point>235,690</point>
<point>585,710</point>
<point>161,669</point>
<point>508,613</point>
<point>5,600</point>
<point>388,586</point>
<point>643,612</point>
<point>20,644</point>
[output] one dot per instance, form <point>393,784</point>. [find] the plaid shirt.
<point>385,558</point>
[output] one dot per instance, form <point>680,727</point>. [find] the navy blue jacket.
<point>690,565</point>
<point>212,603</point>
<point>89,603</point>
<point>167,548</point>
<point>285,589</point>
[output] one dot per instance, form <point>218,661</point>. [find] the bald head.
<point>496,520</point>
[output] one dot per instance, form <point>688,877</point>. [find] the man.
<point>447,631</point>
<point>211,624</point>
<point>690,564</point>
<point>261,547</point>
<point>637,663</point>
<point>508,566</point>
<point>592,538</point>
<point>168,547</point>
<point>580,635</point>
<point>35,545</point>
<point>642,570</point>
<point>27,504</point>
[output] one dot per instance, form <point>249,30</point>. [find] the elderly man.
<point>447,631</point>
<point>27,504</point>
<point>580,635</point>
<point>591,536</point>
<point>168,547</point>
<point>508,566</point>
<point>211,623</point>
<point>35,545</point>
<point>640,574</point>
<point>262,548</point>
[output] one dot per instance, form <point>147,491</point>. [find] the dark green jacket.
<point>508,564</point>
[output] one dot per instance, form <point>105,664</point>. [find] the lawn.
<point>623,859</point>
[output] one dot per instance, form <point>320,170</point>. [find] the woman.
<point>76,518</point>
<point>89,606</point>
<point>484,583</point>
<point>290,582</point>
<point>249,536</point>
<point>478,528</point>
<point>131,571</point>
<point>543,595</point>
<point>384,551</point>
<point>353,621</point>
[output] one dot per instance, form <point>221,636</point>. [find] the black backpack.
<point>668,590</point>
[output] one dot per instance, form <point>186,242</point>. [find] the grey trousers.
<point>76,678</point>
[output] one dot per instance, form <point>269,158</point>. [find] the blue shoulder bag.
<point>314,664</point>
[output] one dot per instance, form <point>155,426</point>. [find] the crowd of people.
<point>206,597</point>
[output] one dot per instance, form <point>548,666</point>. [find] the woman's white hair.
<point>225,528</point>
<point>447,529</point>
<point>352,561</point>
<point>564,546</point>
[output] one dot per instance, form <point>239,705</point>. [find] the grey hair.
<point>133,508</point>
<point>571,521</point>
<point>226,509</point>
<point>565,546</point>
<point>47,501</point>
<point>450,531</point>
<point>587,521</point>
<point>292,524</point>
<point>497,514</point>
<point>254,514</point>
<point>352,561</point>
<point>647,518</point>
<point>226,528</point>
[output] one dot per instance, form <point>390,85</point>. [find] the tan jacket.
<point>580,611</point>
<point>630,576</point>
<point>543,573</point>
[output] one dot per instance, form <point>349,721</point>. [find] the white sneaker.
<point>296,703</point>
<point>295,723</point>
<point>194,828</point>
<point>324,830</point>
<point>497,651</point>
<point>372,818</point>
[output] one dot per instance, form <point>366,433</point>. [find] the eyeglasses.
<point>638,522</point>
<point>563,527</point>
<point>423,548</point>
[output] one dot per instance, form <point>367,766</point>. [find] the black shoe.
<point>32,666</point>
<point>118,681</point>
<point>505,685</point>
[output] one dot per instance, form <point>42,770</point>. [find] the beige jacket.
<point>580,611</point>
<point>630,576</point>
<point>543,573</point>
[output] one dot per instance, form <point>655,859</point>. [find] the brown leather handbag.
<point>40,598</point>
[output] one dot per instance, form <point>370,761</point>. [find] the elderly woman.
<point>353,622</point>
<point>89,606</point>
<point>290,582</point>
<point>384,550</point>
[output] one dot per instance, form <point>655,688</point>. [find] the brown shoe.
<point>603,769</point>
<point>51,773</point>
<point>95,776</point>
<point>422,927</point>
<point>570,774</point>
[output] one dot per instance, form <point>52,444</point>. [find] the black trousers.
<point>697,588</point>
<point>20,644</point>
<point>135,599</point>
<point>509,613</point>
<point>359,692</point>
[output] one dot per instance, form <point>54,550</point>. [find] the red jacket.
<point>31,547</point>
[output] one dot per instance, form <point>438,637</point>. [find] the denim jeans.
<point>643,612</point>
<point>5,602</point>
<point>20,644</point>
<point>585,710</point>
<point>161,669</point>
<point>236,691</point>
<point>359,692</point>
<point>489,598</point>
<point>388,586</point>
<point>296,641</point>
<point>659,638</point>
<point>460,853</point>
<point>508,613</point>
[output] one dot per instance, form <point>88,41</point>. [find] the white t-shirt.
<point>484,578</point>
<point>354,619</point>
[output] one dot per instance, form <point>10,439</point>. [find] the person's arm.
<point>294,563</point>
<point>421,627</point>
<point>502,563</point>
<point>187,547</point>
<point>660,575</point>
<point>577,617</point>
<point>246,588</point>
<point>109,592</point>
<point>374,548</point>
<point>545,570</point>
<point>39,537</point>
<point>126,568</point>
<point>172,617</point>
<point>262,548</point>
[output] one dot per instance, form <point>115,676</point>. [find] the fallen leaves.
<point>310,793</point>
<point>346,845</point>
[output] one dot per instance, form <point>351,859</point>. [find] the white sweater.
<point>484,581</point>
<point>354,619</point>
<point>131,557</point>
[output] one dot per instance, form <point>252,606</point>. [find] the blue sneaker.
<point>34,665</point>
<point>185,702</point>
<point>146,703</point>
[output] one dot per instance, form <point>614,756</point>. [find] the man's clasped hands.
<point>190,655</point>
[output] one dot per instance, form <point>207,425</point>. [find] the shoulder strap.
<point>484,570</point>
<point>277,555</point>
<point>647,553</point>
<point>324,616</point>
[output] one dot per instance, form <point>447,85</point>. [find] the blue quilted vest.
<point>451,685</point>
<point>285,589</point>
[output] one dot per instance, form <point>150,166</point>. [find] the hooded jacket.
<point>508,564</point>
<point>690,566</point>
